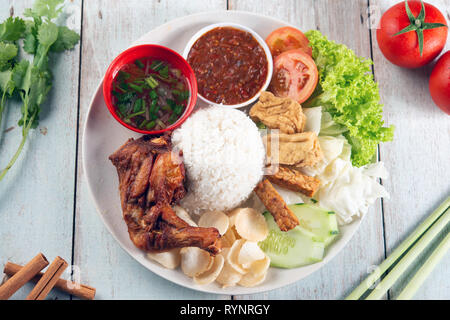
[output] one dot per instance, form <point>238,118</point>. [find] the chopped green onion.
<point>122,107</point>
<point>176,72</point>
<point>166,108</point>
<point>138,105</point>
<point>160,123</point>
<point>139,64</point>
<point>178,109</point>
<point>121,89</point>
<point>153,95</point>
<point>123,75</point>
<point>139,81</point>
<point>143,124</point>
<point>150,125</point>
<point>173,117</point>
<point>171,103</point>
<point>136,87</point>
<point>180,86</point>
<point>153,106</point>
<point>157,65</point>
<point>119,113</point>
<point>182,95</point>
<point>164,72</point>
<point>261,125</point>
<point>151,82</point>
<point>135,114</point>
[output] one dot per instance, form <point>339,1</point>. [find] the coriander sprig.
<point>30,80</point>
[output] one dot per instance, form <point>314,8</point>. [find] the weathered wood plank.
<point>36,196</point>
<point>344,22</point>
<point>109,27</point>
<point>418,158</point>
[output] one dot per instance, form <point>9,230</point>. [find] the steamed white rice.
<point>224,158</point>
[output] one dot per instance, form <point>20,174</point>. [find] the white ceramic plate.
<point>103,135</point>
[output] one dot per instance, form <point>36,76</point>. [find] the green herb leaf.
<point>30,43</point>
<point>48,33</point>
<point>8,51</point>
<point>46,8</point>
<point>7,84</point>
<point>12,29</point>
<point>66,40</point>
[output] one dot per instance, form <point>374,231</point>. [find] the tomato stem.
<point>418,24</point>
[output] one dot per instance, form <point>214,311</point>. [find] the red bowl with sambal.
<point>150,89</point>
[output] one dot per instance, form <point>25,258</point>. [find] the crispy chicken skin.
<point>297,150</point>
<point>284,114</point>
<point>295,180</point>
<point>272,200</point>
<point>151,179</point>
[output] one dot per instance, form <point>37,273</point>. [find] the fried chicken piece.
<point>284,114</point>
<point>295,180</point>
<point>283,216</point>
<point>151,179</point>
<point>297,150</point>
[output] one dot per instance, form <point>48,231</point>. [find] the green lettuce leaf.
<point>347,91</point>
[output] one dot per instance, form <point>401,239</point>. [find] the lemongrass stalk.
<point>411,288</point>
<point>410,256</point>
<point>386,264</point>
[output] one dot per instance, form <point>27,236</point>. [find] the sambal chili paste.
<point>229,64</point>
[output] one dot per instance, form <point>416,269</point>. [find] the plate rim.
<point>355,225</point>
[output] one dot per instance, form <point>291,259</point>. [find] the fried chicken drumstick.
<point>151,179</point>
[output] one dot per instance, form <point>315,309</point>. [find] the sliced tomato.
<point>287,38</point>
<point>295,75</point>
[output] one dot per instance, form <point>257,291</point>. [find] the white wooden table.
<point>44,201</point>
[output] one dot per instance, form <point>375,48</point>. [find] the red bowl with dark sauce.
<point>232,64</point>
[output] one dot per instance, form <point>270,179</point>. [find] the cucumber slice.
<point>322,223</point>
<point>291,249</point>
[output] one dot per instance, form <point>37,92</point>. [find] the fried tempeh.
<point>295,180</point>
<point>283,216</point>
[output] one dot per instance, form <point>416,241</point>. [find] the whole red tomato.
<point>401,33</point>
<point>440,83</point>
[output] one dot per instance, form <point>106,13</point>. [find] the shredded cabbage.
<point>347,91</point>
<point>349,191</point>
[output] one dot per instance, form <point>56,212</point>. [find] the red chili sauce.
<point>229,64</point>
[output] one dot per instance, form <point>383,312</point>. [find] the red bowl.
<point>157,52</point>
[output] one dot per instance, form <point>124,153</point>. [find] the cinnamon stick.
<point>79,290</point>
<point>24,275</point>
<point>48,280</point>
